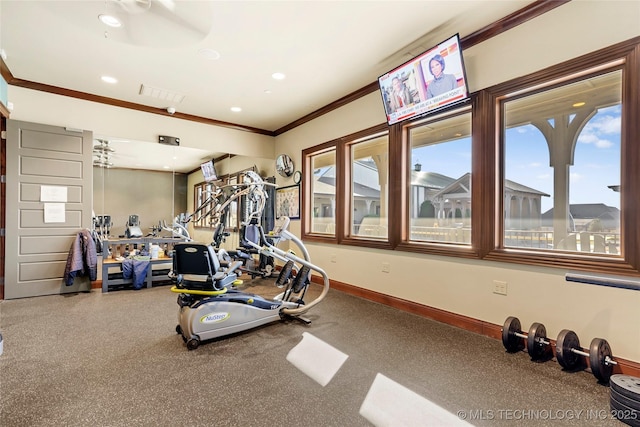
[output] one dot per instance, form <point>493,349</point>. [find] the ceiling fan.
<point>103,152</point>
<point>158,23</point>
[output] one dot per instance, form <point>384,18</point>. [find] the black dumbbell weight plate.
<point>535,347</point>
<point>566,341</point>
<point>624,413</point>
<point>510,341</point>
<point>598,352</point>
<point>631,403</point>
<point>626,385</point>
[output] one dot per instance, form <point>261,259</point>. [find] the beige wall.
<point>116,122</point>
<point>152,195</point>
<point>465,286</point>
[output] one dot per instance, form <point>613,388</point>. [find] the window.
<point>439,192</point>
<point>541,170</point>
<point>232,223</point>
<point>203,204</point>
<point>322,193</point>
<point>202,193</point>
<point>369,187</point>
<point>562,167</point>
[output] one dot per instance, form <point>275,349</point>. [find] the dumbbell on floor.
<point>600,357</point>
<point>537,343</point>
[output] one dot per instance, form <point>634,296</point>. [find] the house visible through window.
<point>440,181</point>
<point>539,170</point>
<point>369,164</point>
<point>323,190</point>
<point>562,151</point>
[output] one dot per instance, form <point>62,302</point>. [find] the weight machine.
<point>256,207</point>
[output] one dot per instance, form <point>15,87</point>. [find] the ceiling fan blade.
<point>165,23</point>
<point>133,6</point>
<point>169,4</point>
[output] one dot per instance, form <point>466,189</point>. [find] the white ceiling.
<point>326,49</point>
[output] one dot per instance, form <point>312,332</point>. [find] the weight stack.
<point>624,399</point>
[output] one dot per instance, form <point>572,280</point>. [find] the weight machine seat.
<point>196,266</point>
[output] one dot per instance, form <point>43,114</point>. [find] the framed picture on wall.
<point>288,202</point>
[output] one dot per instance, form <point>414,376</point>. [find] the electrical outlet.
<point>499,287</point>
<point>334,258</point>
<point>386,267</point>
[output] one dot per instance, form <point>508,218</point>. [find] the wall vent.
<point>163,94</point>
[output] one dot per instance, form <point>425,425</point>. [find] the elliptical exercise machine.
<point>211,307</point>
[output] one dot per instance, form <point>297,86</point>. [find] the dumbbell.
<point>537,343</point>
<point>600,357</point>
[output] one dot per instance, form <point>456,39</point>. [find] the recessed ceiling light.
<point>278,76</point>
<point>236,109</point>
<point>209,53</point>
<point>109,79</point>
<point>110,20</point>
<point>579,104</point>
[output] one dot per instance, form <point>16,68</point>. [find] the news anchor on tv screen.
<point>421,86</point>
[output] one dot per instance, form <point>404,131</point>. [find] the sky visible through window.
<point>596,164</point>
<point>452,158</point>
<point>596,160</point>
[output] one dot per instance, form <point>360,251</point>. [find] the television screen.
<point>427,83</point>
<point>209,171</point>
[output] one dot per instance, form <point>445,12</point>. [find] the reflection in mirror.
<point>140,178</point>
<point>229,169</point>
<point>284,165</point>
<point>157,182</point>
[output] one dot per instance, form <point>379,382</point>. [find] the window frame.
<point>430,247</point>
<point>198,190</point>
<point>487,172</point>
<point>624,56</point>
<point>501,101</point>
<point>306,209</point>
<point>201,225</point>
<point>344,147</point>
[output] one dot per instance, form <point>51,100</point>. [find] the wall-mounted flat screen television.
<point>209,171</point>
<point>426,83</point>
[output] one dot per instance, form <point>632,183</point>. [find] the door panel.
<point>36,251</point>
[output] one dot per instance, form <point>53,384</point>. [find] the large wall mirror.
<point>155,182</point>
<point>140,178</point>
